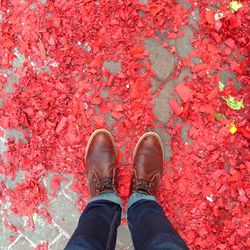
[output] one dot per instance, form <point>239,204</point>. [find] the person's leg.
<point>149,227</point>
<point>97,227</point>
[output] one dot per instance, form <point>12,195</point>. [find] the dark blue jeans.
<point>150,229</point>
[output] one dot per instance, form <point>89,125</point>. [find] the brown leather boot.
<point>100,162</point>
<point>148,164</point>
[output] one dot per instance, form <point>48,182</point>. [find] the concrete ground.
<point>63,209</point>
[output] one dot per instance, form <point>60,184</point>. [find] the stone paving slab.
<point>124,240</point>
<point>162,61</point>
<point>43,232</point>
<point>21,244</point>
<point>60,243</point>
<point>65,214</point>
<point>65,218</point>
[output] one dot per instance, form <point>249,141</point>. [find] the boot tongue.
<point>141,185</point>
<point>106,185</point>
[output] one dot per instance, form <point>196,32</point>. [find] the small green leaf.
<point>219,115</point>
<point>235,6</point>
<point>233,103</point>
<point>221,86</point>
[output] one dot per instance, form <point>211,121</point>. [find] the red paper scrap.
<point>110,80</point>
<point>138,52</point>
<point>171,35</point>
<point>175,106</point>
<point>230,43</point>
<point>213,94</point>
<point>118,108</point>
<point>55,182</point>
<point>183,91</point>
<point>61,124</point>
<point>199,67</point>
<point>209,15</point>
<point>4,121</point>
<point>117,115</point>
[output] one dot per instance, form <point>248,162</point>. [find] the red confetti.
<point>4,121</point>
<point>199,67</point>
<point>64,93</point>
<point>55,182</point>
<point>209,15</point>
<point>61,124</point>
<point>175,107</point>
<point>230,43</point>
<point>213,94</point>
<point>184,92</point>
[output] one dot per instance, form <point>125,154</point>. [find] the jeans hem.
<point>109,196</point>
<point>137,197</point>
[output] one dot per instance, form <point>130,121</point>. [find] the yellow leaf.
<point>235,6</point>
<point>233,129</point>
